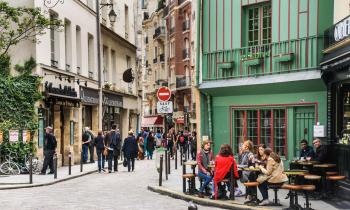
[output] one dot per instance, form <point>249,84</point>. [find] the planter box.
<point>284,57</point>
<point>226,65</point>
<point>252,62</point>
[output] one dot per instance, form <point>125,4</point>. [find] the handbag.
<point>125,163</point>
<point>105,151</point>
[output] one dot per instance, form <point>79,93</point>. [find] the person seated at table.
<point>223,163</point>
<point>260,157</point>
<point>204,157</point>
<point>321,151</point>
<point>307,152</point>
<point>273,173</point>
<point>245,160</point>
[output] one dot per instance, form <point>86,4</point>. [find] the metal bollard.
<point>183,180</point>
<point>81,162</point>
<point>30,169</point>
<point>55,166</point>
<point>166,165</point>
<point>188,151</point>
<point>181,153</point>
<point>192,206</point>
<point>169,163</point>
<point>69,163</point>
<point>160,170</point>
<point>175,158</point>
<point>232,183</point>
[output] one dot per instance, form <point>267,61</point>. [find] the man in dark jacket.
<point>113,143</point>
<point>321,151</point>
<point>307,152</point>
<point>130,150</point>
<point>50,145</point>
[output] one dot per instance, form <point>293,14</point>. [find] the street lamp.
<point>112,17</point>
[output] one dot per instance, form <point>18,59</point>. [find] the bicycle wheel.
<point>37,166</point>
<point>9,168</point>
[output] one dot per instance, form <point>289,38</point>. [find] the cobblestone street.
<point>121,190</point>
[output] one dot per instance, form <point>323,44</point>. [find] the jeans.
<point>207,180</point>
<point>85,152</point>
<point>263,190</point>
<point>110,159</point>
<point>48,161</point>
<point>132,160</point>
<point>149,154</point>
<point>193,153</point>
<point>91,151</point>
<point>100,159</point>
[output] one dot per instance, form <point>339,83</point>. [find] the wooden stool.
<point>254,201</point>
<point>275,187</point>
<point>307,188</point>
<point>331,173</point>
<point>333,180</point>
<point>293,195</point>
<point>314,179</point>
<point>189,178</point>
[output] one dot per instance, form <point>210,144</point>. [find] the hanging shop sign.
<point>112,100</point>
<point>89,96</point>
<point>165,107</point>
<point>342,29</point>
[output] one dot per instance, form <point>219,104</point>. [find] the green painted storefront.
<point>262,39</point>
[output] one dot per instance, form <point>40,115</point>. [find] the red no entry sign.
<point>163,94</point>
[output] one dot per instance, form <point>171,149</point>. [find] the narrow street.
<point>121,190</point>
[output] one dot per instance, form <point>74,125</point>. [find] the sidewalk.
<point>173,188</point>
<point>22,181</point>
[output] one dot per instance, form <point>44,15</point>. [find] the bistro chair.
<point>314,180</point>
<point>333,182</point>
<point>293,195</point>
<point>252,185</point>
<point>306,189</point>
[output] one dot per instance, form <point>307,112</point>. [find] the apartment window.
<point>54,42</point>
<point>105,63</point>
<point>68,44</point>
<point>114,66</point>
<point>126,8</point>
<point>78,48</point>
<point>172,49</point>
<point>262,126</point>
<point>259,25</point>
<point>91,55</point>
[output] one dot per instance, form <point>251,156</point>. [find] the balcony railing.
<point>155,60</point>
<point>185,53</point>
<point>274,58</point>
<point>162,57</point>
<point>172,30</point>
<point>182,82</point>
<point>186,25</point>
<point>158,32</point>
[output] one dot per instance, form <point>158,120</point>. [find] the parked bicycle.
<point>10,167</point>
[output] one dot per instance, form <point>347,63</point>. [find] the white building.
<point>67,61</point>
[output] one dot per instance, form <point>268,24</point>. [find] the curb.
<point>203,201</point>
<point>49,183</point>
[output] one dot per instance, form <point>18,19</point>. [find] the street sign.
<point>163,94</point>
<point>164,107</point>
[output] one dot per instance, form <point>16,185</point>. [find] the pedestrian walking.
<point>150,145</point>
<point>91,145</point>
<point>130,150</point>
<point>140,145</point>
<point>170,144</point>
<point>193,140</point>
<point>50,145</point>
<point>100,147</point>
<point>112,142</point>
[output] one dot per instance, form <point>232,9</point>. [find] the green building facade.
<point>259,77</point>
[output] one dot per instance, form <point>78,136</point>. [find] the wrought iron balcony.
<point>182,82</point>
<point>274,58</point>
<point>172,30</point>
<point>159,32</point>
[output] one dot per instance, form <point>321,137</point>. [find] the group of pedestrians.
<point>148,141</point>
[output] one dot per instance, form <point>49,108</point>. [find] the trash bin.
<point>160,151</point>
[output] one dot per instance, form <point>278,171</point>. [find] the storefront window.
<point>266,126</point>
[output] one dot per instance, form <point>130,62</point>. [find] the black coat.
<point>321,154</point>
<point>99,142</point>
<point>308,152</point>
<point>130,148</point>
<point>50,142</point>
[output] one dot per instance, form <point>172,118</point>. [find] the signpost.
<point>163,94</point>
<point>165,107</point>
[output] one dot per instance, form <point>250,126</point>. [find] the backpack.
<point>182,139</point>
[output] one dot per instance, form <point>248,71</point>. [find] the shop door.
<point>304,125</point>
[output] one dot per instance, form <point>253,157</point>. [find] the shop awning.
<point>155,121</point>
<point>180,121</point>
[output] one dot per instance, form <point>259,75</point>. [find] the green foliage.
<point>21,23</point>
<point>4,65</point>
<point>20,149</point>
<point>18,96</point>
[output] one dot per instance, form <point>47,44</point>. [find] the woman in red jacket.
<point>223,163</point>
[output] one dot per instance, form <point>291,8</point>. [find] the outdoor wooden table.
<point>294,173</point>
<point>250,169</point>
<point>323,167</point>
